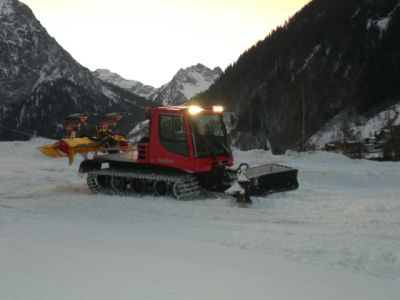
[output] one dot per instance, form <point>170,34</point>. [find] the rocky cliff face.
<point>332,58</point>
<point>40,82</point>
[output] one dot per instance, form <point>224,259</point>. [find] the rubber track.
<point>188,186</point>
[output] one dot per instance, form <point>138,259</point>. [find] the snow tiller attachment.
<point>185,150</point>
<point>104,141</point>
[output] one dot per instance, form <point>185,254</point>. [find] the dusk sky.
<point>151,40</point>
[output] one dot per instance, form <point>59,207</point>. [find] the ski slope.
<point>336,237</point>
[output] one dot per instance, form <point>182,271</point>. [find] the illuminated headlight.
<point>193,110</point>
<point>218,109</point>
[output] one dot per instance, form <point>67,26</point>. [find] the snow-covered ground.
<point>336,237</point>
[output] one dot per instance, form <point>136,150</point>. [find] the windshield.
<point>209,135</point>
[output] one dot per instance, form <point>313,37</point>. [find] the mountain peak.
<point>200,68</point>
<point>40,82</point>
<point>186,83</point>
<point>218,70</point>
<point>133,86</point>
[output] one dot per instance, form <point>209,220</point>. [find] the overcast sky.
<point>150,40</point>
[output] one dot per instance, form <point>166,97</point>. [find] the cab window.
<point>173,134</point>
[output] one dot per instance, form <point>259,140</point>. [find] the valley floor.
<point>336,237</point>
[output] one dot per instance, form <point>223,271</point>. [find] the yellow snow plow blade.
<point>70,147</point>
<point>51,151</point>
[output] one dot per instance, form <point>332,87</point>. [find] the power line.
<point>17,131</point>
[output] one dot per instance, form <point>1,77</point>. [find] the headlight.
<point>193,110</point>
<point>218,109</point>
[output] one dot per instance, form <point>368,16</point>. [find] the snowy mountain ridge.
<point>185,84</point>
<point>133,86</point>
<point>33,57</point>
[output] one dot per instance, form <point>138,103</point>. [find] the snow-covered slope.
<point>361,127</point>
<point>186,84</point>
<point>132,86</point>
<point>336,237</point>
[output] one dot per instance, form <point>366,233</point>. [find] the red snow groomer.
<point>185,150</point>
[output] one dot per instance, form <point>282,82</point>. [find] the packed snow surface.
<point>336,237</point>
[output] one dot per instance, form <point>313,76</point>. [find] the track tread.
<point>188,186</point>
